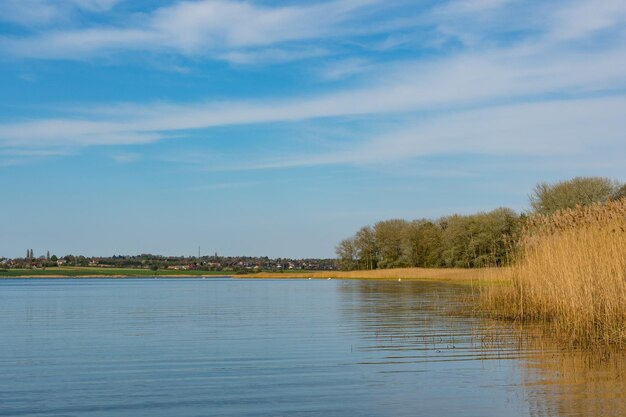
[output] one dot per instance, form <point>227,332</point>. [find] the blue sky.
<point>280,127</point>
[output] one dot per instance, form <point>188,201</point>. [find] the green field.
<point>91,272</point>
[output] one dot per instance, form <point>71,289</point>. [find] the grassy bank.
<point>438,274</point>
<point>64,272</point>
<point>570,272</point>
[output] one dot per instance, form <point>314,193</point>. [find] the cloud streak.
<point>548,69</point>
<point>449,84</point>
<point>37,13</point>
<point>245,33</point>
<point>232,30</point>
<point>209,27</point>
<point>584,129</point>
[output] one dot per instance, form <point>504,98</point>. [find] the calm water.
<point>225,347</point>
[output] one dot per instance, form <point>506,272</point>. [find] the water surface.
<point>226,347</point>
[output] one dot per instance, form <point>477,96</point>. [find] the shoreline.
<point>408,274</point>
<point>95,272</point>
<point>57,276</point>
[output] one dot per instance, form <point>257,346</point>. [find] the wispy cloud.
<point>582,19</point>
<point>548,60</point>
<point>586,133</point>
<point>225,186</point>
<point>35,13</point>
<point>126,157</point>
<point>19,156</point>
<point>271,55</point>
<point>345,68</point>
<point>244,32</point>
<point>444,84</point>
<point>27,12</point>
<point>209,27</point>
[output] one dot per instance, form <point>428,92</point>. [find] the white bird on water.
<point>399,279</point>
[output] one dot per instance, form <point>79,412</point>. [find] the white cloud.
<point>195,28</point>
<point>478,22</point>
<point>271,55</point>
<point>345,68</point>
<point>43,12</point>
<point>529,71</point>
<point>126,157</point>
<point>444,84</point>
<point>588,131</point>
<point>19,156</point>
<point>225,186</point>
<point>244,32</point>
<point>583,18</point>
<point>470,7</point>
<point>564,127</point>
<point>95,5</point>
<point>28,12</point>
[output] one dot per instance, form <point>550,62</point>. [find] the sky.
<point>278,128</point>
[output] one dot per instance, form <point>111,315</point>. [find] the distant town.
<point>239,264</point>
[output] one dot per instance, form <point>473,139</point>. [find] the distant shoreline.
<point>94,272</point>
<point>107,276</point>
<point>408,274</point>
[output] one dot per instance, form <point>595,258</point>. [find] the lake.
<point>228,347</point>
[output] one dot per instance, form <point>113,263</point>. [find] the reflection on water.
<point>575,383</point>
<point>426,317</point>
<point>190,347</point>
<point>422,322</point>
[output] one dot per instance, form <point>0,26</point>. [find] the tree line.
<point>465,241</point>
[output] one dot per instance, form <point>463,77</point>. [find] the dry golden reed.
<point>440,274</point>
<point>570,271</point>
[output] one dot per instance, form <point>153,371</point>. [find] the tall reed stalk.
<point>570,271</point>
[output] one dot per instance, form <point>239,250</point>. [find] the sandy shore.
<point>416,274</point>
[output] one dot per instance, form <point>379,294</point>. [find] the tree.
<point>410,245</point>
<point>346,252</point>
<point>421,244</point>
<point>456,236</point>
<point>366,248</point>
<point>548,198</point>
<point>389,236</point>
<point>483,239</point>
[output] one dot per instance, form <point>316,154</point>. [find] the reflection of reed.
<point>424,322</point>
<point>575,382</point>
<point>563,382</point>
<point>417,323</point>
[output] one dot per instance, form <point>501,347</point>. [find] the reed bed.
<point>570,271</point>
